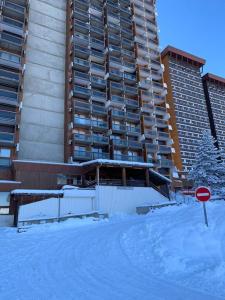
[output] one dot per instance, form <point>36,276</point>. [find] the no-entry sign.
<point>203,194</point>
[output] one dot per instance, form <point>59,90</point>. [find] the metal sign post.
<point>203,195</point>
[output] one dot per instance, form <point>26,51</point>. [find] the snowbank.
<point>174,244</point>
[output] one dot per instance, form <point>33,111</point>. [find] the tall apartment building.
<point>115,92</point>
<point>187,105</point>
<point>214,87</point>
<point>80,80</point>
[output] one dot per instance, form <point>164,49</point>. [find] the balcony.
<point>81,52</point>
<point>114,39</point>
<point>99,124</point>
<point>159,88</point>
<point>81,39</point>
<point>145,84</point>
<point>82,122</point>
<point>100,139</point>
<point>157,66</point>
<point>134,145</point>
<point>118,114</point>
<point>129,78</point>
<point>82,155</point>
<point>13,10</point>
<point>10,60</point>
<point>82,106</point>
<point>83,139</point>
<point>100,155</point>
<point>128,54</point>
<point>115,62</point>
<point>9,78</point>
<point>97,32</point>
<point>129,67</point>
<point>81,92</point>
<point>151,148</point>
<point>144,72</point>
<point>133,117</point>
<point>163,136</point>
<point>156,75</point>
<point>5,162</point>
<point>161,123</point>
<point>97,82</point>
<point>83,5</point>
<point>11,25</point>
<point>165,163</point>
<point>97,44</point>
<point>97,56</point>
<point>115,75</point>
<point>8,97</point>
<point>117,101</point>
<point>116,87</point>
<point>81,78</point>
<point>6,138</point>
<point>160,110</point>
<point>99,110</point>
<point>81,27</point>
<point>95,10</point>
<point>130,90</point>
<point>81,64</point>
<point>146,96</point>
<point>7,118</point>
<point>119,128</point>
<point>123,157</point>
<point>97,69</point>
<point>10,42</point>
<point>132,104</point>
<point>149,121</point>
<point>120,143</point>
<point>81,14</point>
<point>132,130</point>
<point>129,45</point>
<point>164,149</point>
<point>98,96</point>
<point>116,51</point>
<point>147,107</point>
<point>114,18</point>
<point>158,99</point>
<point>150,134</point>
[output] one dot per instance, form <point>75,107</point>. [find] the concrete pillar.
<point>147,177</point>
<point>42,114</point>
<point>124,177</point>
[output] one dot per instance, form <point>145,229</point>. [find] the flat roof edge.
<point>210,76</point>
<point>194,58</point>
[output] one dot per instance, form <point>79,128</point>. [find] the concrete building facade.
<point>187,104</point>
<point>42,114</point>
<point>214,87</point>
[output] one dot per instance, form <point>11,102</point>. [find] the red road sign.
<point>202,193</point>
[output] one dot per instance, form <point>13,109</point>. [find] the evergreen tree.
<point>207,169</point>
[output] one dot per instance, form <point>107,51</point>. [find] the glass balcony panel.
<point>81,92</point>
<point>100,155</point>
<point>131,103</point>
<point>5,162</point>
<point>83,155</point>
<point>132,129</point>
<point>83,138</point>
<point>82,121</point>
<point>100,139</point>
<point>100,124</point>
<point>151,148</point>
<point>119,127</point>
<point>98,96</point>
<point>118,113</point>
<point>120,142</point>
<point>164,149</point>
<point>7,138</point>
<point>134,144</point>
<point>81,52</point>
<point>82,106</point>
<point>8,118</point>
<point>99,110</point>
<point>133,116</point>
<point>9,78</point>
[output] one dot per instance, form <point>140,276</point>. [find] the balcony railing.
<point>120,143</point>
<point>118,113</point>
<point>100,110</point>
<point>82,155</point>
<point>81,64</point>
<point>82,106</point>
<point>133,130</point>
<point>119,127</point>
<point>164,149</point>
<point>82,138</point>
<point>5,162</point>
<point>9,78</point>
<point>10,60</point>
<point>165,163</point>
<point>82,92</point>
<point>99,124</point>
<point>6,138</point>
<point>151,148</point>
<point>11,25</point>
<point>134,144</point>
<point>99,139</point>
<point>100,155</point>
<point>98,96</point>
<point>82,121</point>
<point>7,118</point>
<point>131,103</point>
<point>132,116</point>
<point>128,158</point>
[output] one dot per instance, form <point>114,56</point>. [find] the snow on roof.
<point>38,192</point>
<point>10,181</point>
<point>47,162</point>
<point>117,162</point>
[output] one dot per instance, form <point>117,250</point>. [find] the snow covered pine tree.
<point>208,169</point>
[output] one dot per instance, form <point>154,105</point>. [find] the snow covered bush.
<point>208,169</point>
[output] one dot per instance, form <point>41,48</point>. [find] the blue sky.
<point>195,26</point>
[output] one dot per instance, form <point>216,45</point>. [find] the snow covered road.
<point>94,261</point>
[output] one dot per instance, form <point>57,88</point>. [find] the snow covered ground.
<point>166,255</point>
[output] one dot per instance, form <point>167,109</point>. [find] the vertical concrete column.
<point>42,115</point>
<point>124,176</point>
<point>147,177</point>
